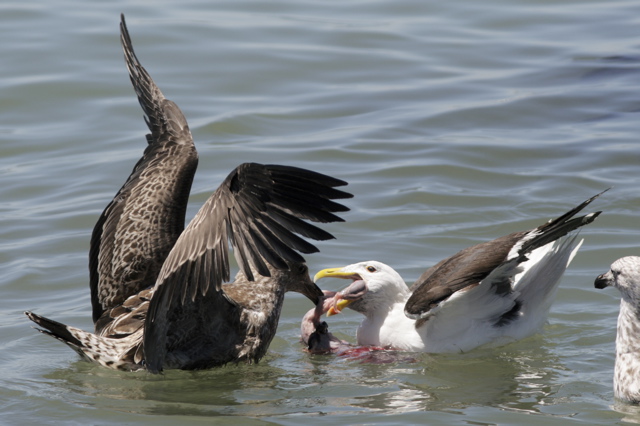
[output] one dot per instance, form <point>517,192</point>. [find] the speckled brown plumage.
<point>625,276</point>
<point>158,293</point>
<point>136,231</point>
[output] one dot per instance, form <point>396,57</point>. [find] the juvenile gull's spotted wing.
<point>136,231</point>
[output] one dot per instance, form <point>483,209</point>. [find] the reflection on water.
<point>631,412</point>
<point>454,382</point>
<point>510,380</point>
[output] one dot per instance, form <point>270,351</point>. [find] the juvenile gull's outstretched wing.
<point>136,231</point>
<point>258,208</point>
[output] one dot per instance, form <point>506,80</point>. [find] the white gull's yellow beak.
<point>340,303</point>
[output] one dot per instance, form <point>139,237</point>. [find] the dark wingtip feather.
<point>310,175</point>
<point>54,329</point>
<point>561,226</point>
<point>565,217</point>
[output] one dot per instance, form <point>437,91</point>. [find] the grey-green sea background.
<point>454,123</point>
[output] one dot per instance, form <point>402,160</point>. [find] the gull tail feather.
<point>102,350</point>
<point>538,284</point>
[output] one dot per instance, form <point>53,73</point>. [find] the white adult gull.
<point>625,276</point>
<point>494,292</point>
<point>158,290</point>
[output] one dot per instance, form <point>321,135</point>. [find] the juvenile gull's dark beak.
<point>603,280</point>
<point>313,293</point>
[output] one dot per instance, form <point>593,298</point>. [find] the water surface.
<point>453,122</point>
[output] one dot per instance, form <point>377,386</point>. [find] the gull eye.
<point>371,268</point>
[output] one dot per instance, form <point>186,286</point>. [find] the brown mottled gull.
<point>158,290</point>
<point>625,276</point>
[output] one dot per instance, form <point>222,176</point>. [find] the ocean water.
<point>453,122</point>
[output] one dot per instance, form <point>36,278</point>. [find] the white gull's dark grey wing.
<point>137,230</point>
<point>472,265</point>
<point>259,209</point>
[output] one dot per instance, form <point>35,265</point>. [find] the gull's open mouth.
<point>344,298</point>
